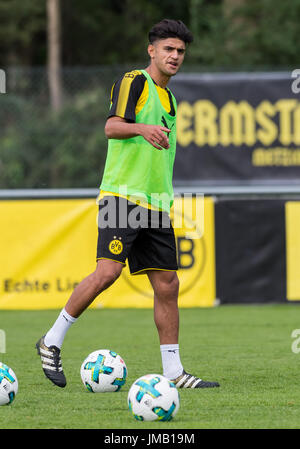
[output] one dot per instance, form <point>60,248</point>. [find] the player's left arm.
<point>121,122</point>
<point>119,128</point>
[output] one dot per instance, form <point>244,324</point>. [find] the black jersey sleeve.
<point>125,95</point>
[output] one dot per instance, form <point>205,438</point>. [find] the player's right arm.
<point>118,128</point>
<point>127,98</point>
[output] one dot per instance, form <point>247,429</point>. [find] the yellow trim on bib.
<point>136,200</point>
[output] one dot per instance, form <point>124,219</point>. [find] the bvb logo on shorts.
<point>116,246</point>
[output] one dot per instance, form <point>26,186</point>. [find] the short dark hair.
<point>170,28</point>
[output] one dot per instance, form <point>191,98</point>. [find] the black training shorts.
<point>144,236</point>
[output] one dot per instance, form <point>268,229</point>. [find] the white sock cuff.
<point>169,347</point>
<point>68,317</point>
<point>172,367</point>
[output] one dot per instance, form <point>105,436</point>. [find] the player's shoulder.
<point>132,81</point>
<point>134,78</point>
<point>134,74</point>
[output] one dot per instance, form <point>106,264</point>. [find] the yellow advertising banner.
<point>48,246</point>
<point>292,220</point>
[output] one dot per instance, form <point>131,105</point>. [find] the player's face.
<point>167,55</point>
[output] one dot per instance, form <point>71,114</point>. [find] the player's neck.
<point>159,78</point>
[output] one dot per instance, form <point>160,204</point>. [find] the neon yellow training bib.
<point>134,167</point>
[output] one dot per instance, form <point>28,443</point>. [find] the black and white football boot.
<point>186,380</point>
<point>51,362</point>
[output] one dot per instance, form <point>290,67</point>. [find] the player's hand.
<point>155,135</point>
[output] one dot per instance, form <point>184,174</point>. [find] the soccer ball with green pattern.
<point>153,397</point>
<point>8,384</point>
<point>103,371</point>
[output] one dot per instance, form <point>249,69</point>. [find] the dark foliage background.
<point>100,39</point>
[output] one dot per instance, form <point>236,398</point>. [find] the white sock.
<point>55,336</point>
<point>172,367</point>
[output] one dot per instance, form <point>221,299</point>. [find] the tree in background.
<point>87,44</point>
<point>22,32</point>
<point>228,34</point>
<point>54,53</point>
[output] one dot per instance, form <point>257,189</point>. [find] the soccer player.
<point>137,189</point>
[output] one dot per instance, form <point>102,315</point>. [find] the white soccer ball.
<point>103,371</point>
<point>153,397</point>
<point>8,384</point>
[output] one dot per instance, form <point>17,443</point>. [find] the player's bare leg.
<point>166,316</point>
<point>106,273</point>
<point>48,346</point>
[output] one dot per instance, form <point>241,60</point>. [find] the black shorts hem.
<point>134,273</point>
<point>110,258</point>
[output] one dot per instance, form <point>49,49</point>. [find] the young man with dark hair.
<point>137,179</point>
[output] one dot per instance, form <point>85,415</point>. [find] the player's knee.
<point>174,284</point>
<point>168,286</point>
<point>106,276</point>
<point>104,281</point>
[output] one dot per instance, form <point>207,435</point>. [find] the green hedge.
<point>41,149</point>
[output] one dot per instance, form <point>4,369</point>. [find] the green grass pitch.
<point>248,349</point>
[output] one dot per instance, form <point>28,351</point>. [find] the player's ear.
<point>151,50</point>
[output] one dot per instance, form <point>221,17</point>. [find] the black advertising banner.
<point>237,128</point>
<point>250,251</point>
